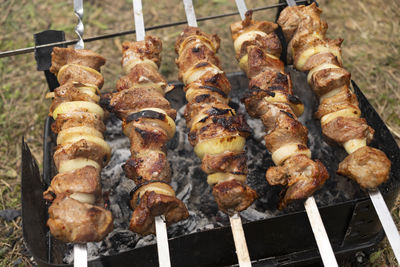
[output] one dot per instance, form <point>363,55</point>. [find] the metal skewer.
<point>235,220</point>
<point>317,226</point>
<point>380,207</point>
<point>80,250</point>
<point>161,228</point>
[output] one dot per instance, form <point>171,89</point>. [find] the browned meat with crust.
<point>143,136</point>
<point>75,119</point>
<point>194,53</point>
<point>79,74</point>
<point>132,100</point>
<point>81,149</point>
<point>301,175</point>
<point>152,205</point>
<point>321,58</point>
<point>193,34</point>
<point>368,166</point>
<point>206,107</point>
<point>220,126</point>
<point>209,80</point>
<point>258,61</point>
<point>269,42</point>
<point>248,25</point>
<point>150,49</point>
<point>233,162</point>
<point>77,222</point>
<point>270,80</point>
<point>83,180</point>
<point>345,98</point>
<point>286,130</point>
<point>326,80</point>
<point>343,129</point>
<point>63,56</point>
<point>233,196</point>
<point>141,73</point>
<point>148,165</point>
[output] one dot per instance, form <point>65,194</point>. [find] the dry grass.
<point>371,53</point>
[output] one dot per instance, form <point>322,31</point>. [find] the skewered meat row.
<point>217,133</point>
<point>312,52</point>
<point>270,98</point>
<point>77,212</point>
<point>148,121</point>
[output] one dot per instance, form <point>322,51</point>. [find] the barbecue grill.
<point>273,237</point>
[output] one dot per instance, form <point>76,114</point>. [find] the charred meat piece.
<point>83,57</point>
<point>85,180</point>
<point>343,129</point>
<point>149,49</point>
<point>81,149</point>
<point>152,205</point>
<point>73,221</point>
<point>233,196</point>
<point>148,165</point>
<point>143,74</point>
<point>233,162</point>
<point>302,175</point>
<point>76,119</point>
<point>132,100</point>
<point>368,166</point>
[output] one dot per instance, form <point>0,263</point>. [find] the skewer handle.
<point>240,241</point>
<point>321,237</point>
<point>79,29</point>
<point>386,221</point>
<point>80,255</point>
<point>139,22</point>
<point>190,15</point>
<point>241,5</point>
<point>162,243</point>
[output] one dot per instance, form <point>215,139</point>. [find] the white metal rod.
<point>240,241</point>
<point>320,235</point>
<point>80,250</point>
<point>161,228</point>
<point>386,221</point>
<point>139,22</point>
<point>190,15</point>
<point>241,5</point>
<point>162,243</point>
<point>236,223</point>
<point>80,255</point>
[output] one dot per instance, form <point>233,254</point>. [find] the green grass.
<point>371,51</point>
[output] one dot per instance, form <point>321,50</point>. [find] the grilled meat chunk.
<point>84,180</point>
<point>368,166</point>
<point>81,149</point>
<point>76,119</point>
<point>148,165</point>
<point>73,221</point>
<point>132,100</point>
<point>233,162</point>
<point>142,74</point>
<point>83,57</point>
<point>233,196</point>
<point>302,175</point>
<point>152,205</point>
<point>149,49</point>
<point>343,129</point>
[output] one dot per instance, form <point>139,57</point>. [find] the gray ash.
<point>190,183</point>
